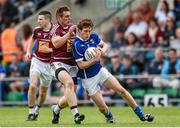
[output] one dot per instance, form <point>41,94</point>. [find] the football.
<point>89,53</point>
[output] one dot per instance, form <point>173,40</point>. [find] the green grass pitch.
<point>124,117</point>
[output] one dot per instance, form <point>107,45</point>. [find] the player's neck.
<point>48,27</point>
<point>80,37</point>
<point>63,25</point>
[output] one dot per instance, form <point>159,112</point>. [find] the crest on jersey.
<point>92,41</point>
<point>63,32</point>
<point>45,35</point>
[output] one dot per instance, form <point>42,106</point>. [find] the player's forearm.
<point>30,45</point>
<point>103,46</point>
<point>85,64</point>
<point>60,41</point>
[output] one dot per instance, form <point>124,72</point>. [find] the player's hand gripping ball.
<point>89,53</point>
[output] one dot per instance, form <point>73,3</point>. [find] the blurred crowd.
<point>18,10</point>
<point>156,32</point>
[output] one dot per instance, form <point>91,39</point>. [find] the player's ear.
<point>79,31</point>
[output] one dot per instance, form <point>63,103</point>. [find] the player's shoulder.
<point>55,27</point>
<point>76,41</point>
<point>37,29</point>
<point>94,35</point>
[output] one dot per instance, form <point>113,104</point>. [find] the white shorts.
<point>72,70</point>
<point>42,70</point>
<point>92,85</point>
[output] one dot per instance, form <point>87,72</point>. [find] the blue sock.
<point>108,114</point>
<point>139,112</point>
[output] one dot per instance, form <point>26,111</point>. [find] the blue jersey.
<point>79,47</point>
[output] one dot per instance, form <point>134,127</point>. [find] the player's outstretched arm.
<point>29,49</point>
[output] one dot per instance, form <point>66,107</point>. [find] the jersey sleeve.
<point>54,32</point>
<point>77,51</point>
<point>96,38</point>
<point>34,34</point>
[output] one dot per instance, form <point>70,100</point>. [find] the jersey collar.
<point>85,41</point>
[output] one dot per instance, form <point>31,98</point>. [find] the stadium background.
<point>138,33</point>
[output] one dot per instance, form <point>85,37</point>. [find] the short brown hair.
<point>85,23</point>
<point>46,14</point>
<point>62,9</point>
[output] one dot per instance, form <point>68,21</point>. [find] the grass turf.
<point>124,117</point>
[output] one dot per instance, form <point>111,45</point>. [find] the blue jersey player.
<point>92,73</point>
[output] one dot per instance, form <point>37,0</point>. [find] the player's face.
<point>85,33</point>
<point>65,19</point>
<point>42,21</point>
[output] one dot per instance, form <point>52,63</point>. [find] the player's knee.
<point>42,94</point>
<point>69,84</point>
<point>32,87</point>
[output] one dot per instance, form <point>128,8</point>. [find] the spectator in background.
<point>117,25</point>
<point>155,66</point>
<point>1,58</point>
<point>169,32</point>
<point>8,12</point>
<point>177,12</point>
<point>145,10</point>
<point>128,68</point>
<point>176,42</point>
<point>152,34</point>
<point>163,13</point>
<point>132,44</point>
<point>3,71</point>
<point>27,32</point>
<point>16,67</point>
<point>138,26</point>
<point>115,63</point>
<point>171,66</point>
<point>162,42</point>
<point>119,40</point>
<point>26,8</point>
<point>9,43</point>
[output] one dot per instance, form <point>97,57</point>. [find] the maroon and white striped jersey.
<point>62,54</point>
<point>42,38</point>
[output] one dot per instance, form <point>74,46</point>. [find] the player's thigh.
<point>45,80</point>
<point>65,77</point>
<point>64,72</point>
<point>114,84</point>
<point>91,85</point>
<point>98,99</point>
